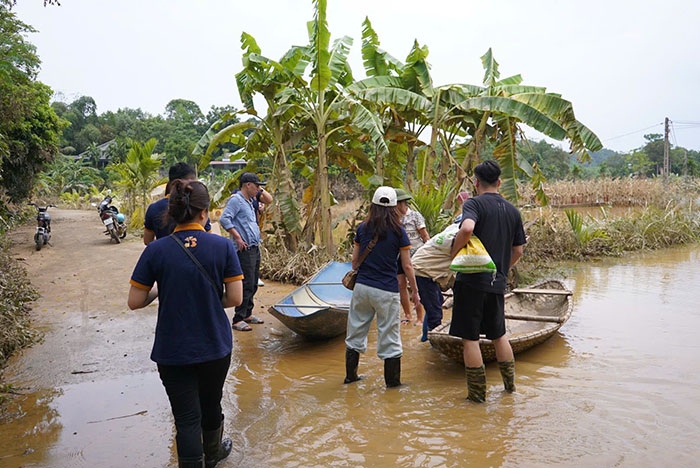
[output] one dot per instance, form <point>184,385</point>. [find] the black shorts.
<point>477,312</point>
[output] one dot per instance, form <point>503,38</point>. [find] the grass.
<point>617,192</point>
<point>554,237</point>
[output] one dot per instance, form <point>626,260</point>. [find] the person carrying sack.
<point>376,291</point>
<point>479,297</point>
<point>198,275</point>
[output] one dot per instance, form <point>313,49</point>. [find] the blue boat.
<point>318,310</point>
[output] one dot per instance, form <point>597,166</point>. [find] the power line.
<point>632,133</point>
<point>673,134</point>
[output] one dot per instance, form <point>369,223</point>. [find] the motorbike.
<point>43,225</point>
<point>113,220</point>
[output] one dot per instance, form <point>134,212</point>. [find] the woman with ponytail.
<point>198,275</point>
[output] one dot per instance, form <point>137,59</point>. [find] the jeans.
<point>195,392</point>
<point>250,265</point>
<point>367,302</point>
<point>431,298</point>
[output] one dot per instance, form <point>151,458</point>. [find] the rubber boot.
<point>476,384</point>
<point>215,448</point>
<point>424,336</point>
<point>190,462</point>
<point>352,361</point>
<point>507,369</point>
<point>392,372</point>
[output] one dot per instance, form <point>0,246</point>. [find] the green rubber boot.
<point>507,369</point>
<point>476,384</point>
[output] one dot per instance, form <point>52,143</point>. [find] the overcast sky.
<point>624,64</point>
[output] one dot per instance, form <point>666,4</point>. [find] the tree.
<point>29,127</point>
<point>328,110</point>
<point>138,174</point>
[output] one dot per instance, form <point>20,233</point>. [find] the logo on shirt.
<point>190,242</point>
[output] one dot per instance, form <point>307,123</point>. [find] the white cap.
<point>384,196</point>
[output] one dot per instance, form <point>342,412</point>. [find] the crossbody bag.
<point>351,276</point>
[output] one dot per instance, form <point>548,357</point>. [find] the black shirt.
<point>499,227</point>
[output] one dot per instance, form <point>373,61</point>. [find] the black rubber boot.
<point>352,361</point>
<point>215,448</point>
<point>392,372</point>
<point>190,462</point>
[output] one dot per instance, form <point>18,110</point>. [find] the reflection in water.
<point>28,442</point>
<point>115,422</point>
<point>619,385</point>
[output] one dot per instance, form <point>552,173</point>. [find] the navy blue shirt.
<point>499,227</point>
<point>192,325</point>
<point>156,219</point>
<point>380,268</point>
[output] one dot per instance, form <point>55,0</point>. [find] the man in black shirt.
<point>479,297</point>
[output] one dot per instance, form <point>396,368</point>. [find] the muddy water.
<point>618,386</point>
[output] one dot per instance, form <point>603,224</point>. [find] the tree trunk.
<point>410,166</point>
<point>379,165</point>
<point>324,192</point>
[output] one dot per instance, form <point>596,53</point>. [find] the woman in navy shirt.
<point>193,340</point>
<point>377,288</point>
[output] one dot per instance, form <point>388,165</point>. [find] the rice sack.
<point>473,258</point>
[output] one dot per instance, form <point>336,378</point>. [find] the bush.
<point>16,292</point>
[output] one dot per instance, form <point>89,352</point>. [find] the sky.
<point>625,65</point>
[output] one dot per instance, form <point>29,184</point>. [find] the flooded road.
<point>619,385</point>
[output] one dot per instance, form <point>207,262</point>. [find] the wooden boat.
<point>532,316</point>
<point>317,310</point>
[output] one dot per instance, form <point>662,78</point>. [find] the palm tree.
<point>138,174</point>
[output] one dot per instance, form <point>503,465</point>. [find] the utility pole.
<point>667,162</point>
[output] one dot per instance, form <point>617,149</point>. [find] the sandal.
<point>405,320</point>
<point>254,320</point>
<point>241,326</point>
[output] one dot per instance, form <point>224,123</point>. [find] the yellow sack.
<point>473,258</point>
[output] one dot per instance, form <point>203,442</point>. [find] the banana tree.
<point>500,106</point>
<point>403,111</point>
<point>326,106</point>
<point>491,112</point>
<point>276,133</point>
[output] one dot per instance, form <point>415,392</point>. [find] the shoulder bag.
<point>351,276</point>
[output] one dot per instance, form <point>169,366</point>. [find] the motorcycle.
<point>43,225</point>
<point>114,221</point>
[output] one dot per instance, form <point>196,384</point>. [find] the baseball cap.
<point>384,196</point>
<point>250,177</point>
<point>402,195</point>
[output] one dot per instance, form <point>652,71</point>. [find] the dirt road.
<point>91,396</point>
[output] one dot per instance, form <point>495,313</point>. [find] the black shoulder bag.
<point>217,288</point>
